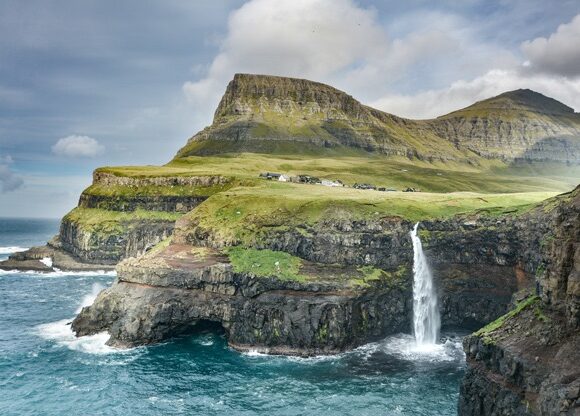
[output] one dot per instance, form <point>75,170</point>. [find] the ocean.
<point>45,370</point>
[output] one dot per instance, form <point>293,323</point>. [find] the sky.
<point>96,83</point>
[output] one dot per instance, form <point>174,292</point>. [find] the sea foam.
<point>12,249</point>
<point>404,347</point>
<point>59,273</point>
<point>61,332</point>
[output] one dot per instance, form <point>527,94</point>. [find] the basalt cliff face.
<point>118,217</point>
<point>267,114</point>
<point>327,273</point>
<point>355,285</point>
<point>526,363</point>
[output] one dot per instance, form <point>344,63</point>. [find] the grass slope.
<point>114,222</point>
<point>283,266</point>
<point>399,173</point>
<point>241,214</point>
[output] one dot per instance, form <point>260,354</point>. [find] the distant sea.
<point>45,370</point>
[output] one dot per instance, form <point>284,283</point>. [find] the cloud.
<point>557,54</point>
<point>77,146</point>
<point>433,103</point>
<point>552,68</point>
<point>302,38</point>
<point>346,45</point>
<point>9,181</point>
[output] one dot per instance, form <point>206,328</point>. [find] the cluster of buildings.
<point>372,187</point>
<point>300,179</point>
<point>325,182</point>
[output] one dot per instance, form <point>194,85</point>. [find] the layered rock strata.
<point>478,260</point>
<point>167,294</point>
<point>268,114</point>
<point>527,363</point>
<point>119,217</point>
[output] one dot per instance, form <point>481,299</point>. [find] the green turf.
<point>486,331</point>
<point>265,263</point>
<point>113,222</point>
<point>242,214</point>
<point>398,173</point>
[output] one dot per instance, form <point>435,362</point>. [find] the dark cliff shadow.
<point>564,150</point>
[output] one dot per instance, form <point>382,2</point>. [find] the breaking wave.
<point>89,298</point>
<point>60,273</point>
<point>61,332</point>
<point>12,249</point>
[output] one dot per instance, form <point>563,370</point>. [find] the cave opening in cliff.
<point>205,326</point>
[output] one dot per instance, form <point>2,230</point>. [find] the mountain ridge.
<point>520,99</point>
<point>271,114</point>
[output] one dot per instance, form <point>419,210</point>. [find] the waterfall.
<point>426,319</point>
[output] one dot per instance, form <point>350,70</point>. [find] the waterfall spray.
<point>426,319</point>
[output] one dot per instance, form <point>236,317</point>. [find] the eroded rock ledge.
<point>335,307</point>
<point>167,293</point>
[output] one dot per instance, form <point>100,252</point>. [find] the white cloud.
<point>552,68</point>
<point>302,38</point>
<point>557,54</point>
<point>77,146</point>
<point>343,44</point>
<point>9,181</point>
<point>433,103</point>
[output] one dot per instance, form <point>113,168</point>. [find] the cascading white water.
<point>426,319</point>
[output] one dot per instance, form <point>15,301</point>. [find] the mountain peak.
<point>245,92</point>
<point>517,100</point>
<point>291,116</point>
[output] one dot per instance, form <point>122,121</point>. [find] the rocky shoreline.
<point>517,368</point>
<point>479,269</point>
<point>325,275</point>
<point>50,258</point>
<point>168,293</point>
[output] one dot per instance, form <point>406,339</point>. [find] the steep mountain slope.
<point>297,127</point>
<point>520,124</point>
<point>267,114</point>
<point>276,115</point>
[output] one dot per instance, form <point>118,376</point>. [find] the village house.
<point>270,175</point>
<point>364,186</point>
<point>326,182</point>
<point>308,179</point>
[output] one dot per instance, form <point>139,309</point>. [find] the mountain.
<point>277,115</point>
<point>520,124</point>
<point>267,114</point>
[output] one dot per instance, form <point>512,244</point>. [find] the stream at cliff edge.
<point>44,370</point>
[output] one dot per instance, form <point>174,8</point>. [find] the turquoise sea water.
<point>44,370</point>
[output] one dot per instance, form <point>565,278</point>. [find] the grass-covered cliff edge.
<point>520,144</point>
<point>302,268</point>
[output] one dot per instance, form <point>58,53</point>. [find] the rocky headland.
<point>302,269</point>
<point>527,362</point>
